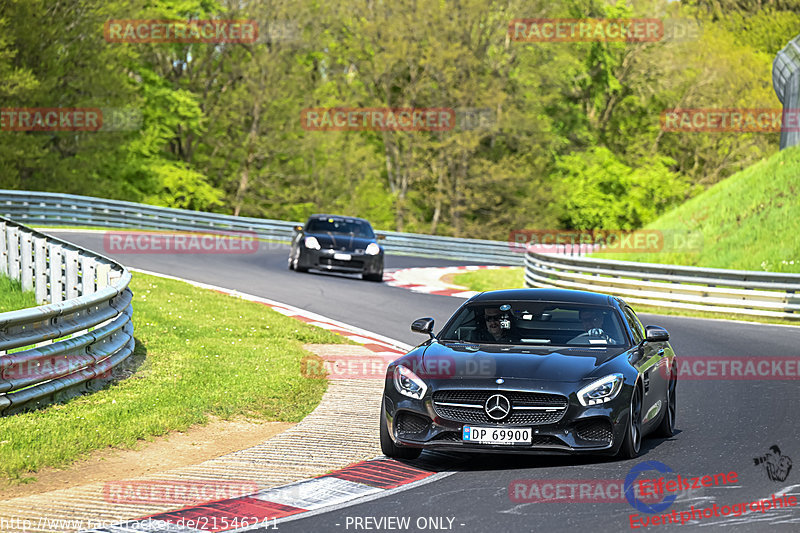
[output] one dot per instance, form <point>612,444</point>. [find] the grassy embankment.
<point>200,353</point>
<point>12,297</point>
<point>750,221</point>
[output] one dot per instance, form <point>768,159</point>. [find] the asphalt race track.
<point>722,424</point>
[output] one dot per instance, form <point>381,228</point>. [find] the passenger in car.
<point>593,323</point>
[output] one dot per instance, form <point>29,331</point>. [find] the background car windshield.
<point>536,324</point>
<point>333,225</point>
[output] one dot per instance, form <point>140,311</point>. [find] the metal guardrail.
<point>739,292</point>
<point>730,291</point>
<point>50,209</point>
<point>80,334</point>
<point>786,82</point>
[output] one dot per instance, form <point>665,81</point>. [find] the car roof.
<point>337,217</point>
<point>547,295</point>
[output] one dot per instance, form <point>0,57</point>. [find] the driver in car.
<point>592,322</point>
<point>492,330</point>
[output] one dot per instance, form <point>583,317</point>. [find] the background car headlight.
<point>600,391</point>
<point>408,383</point>
<point>312,243</point>
<point>372,249</point>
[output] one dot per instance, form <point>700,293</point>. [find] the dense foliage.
<point>573,137</point>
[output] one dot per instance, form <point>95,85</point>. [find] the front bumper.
<point>597,429</point>
<point>359,263</point>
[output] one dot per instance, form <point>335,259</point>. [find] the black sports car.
<point>533,371</point>
<point>337,243</point>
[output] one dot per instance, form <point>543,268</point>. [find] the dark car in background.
<point>337,243</point>
<point>532,371</point>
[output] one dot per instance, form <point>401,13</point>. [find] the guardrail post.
<point>13,252</point>
<point>71,272</point>
<point>102,271</point>
<point>26,261</point>
<point>87,275</point>
<point>56,276</point>
<point>3,250</point>
<point>40,270</point>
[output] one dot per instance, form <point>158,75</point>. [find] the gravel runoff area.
<point>340,431</point>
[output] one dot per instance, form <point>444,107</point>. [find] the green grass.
<point>491,279</point>
<point>750,221</point>
<point>12,297</point>
<point>202,353</point>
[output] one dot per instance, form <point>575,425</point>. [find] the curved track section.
<point>723,426</point>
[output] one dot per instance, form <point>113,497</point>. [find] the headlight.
<point>602,390</point>
<point>408,383</point>
<point>372,249</point>
<point>311,243</point>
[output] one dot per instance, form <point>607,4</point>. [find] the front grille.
<point>410,424</point>
<point>546,440</point>
<point>450,436</point>
<point>594,430</point>
<point>329,261</point>
<point>476,414</point>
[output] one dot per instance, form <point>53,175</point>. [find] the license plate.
<point>489,435</point>
<point>342,257</point>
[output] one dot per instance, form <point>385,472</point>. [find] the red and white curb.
<point>353,484</point>
<point>429,280</point>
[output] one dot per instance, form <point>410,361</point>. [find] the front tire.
<point>373,277</point>
<point>633,434</point>
<point>666,428</point>
<point>389,448</point>
<point>297,267</point>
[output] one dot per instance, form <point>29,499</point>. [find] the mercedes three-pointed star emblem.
<point>497,407</point>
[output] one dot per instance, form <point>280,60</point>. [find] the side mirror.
<point>423,325</point>
<point>380,237</point>
<point>298,228</point>
<point>655,334</point>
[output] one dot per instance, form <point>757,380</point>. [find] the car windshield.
<point>535,324</point>
<point>357,228</point>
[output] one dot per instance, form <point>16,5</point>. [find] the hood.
<point>471,361</point>
<point>340,241</point>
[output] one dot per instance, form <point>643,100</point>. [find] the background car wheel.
<point>667,426</point>
<point>291,264</point>
<point>390,449</point>
<point>373,277</point>
<point>633,434</point>
<point>297,267</point>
